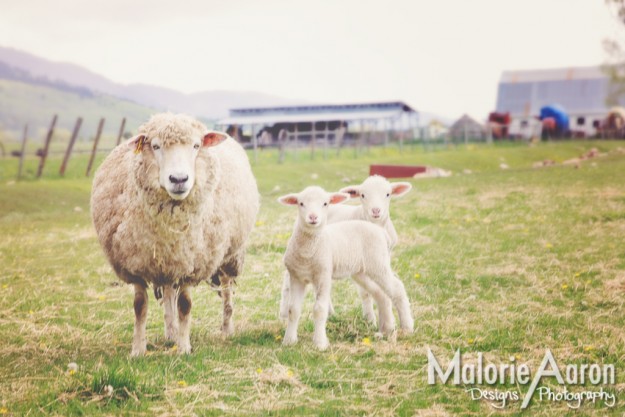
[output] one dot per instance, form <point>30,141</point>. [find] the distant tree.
<point>614,67</point>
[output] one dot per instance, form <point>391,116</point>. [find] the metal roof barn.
<point>580,91</point>
<point>326,122</point>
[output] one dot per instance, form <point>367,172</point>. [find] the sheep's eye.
<point>362,196</point>
<point>388,195</point>
<point>156,147</point>
<point>196,146</point>
<point>301,204</point>
<point>325,204</point>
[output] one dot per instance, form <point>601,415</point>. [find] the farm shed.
<point>331,123</point>
<point>466,128</point>
<point>582,91</point>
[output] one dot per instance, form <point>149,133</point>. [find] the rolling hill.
<point>205,104</point>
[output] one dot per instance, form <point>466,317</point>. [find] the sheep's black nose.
<point>179,179</point>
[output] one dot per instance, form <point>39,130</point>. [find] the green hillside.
<point>22,103</point>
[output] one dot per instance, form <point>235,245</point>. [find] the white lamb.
<point>375,195</point>
<point>172,207</point>
<point>318,252</point>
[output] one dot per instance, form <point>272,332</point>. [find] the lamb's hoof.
<point>322,344</point>
<point>407,328</point>
<point>289,341</point>
<point>371,320</point>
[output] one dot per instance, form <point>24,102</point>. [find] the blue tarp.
<point>558,113</point>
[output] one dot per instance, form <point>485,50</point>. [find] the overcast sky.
<point>443,56</point>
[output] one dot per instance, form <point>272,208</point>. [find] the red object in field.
<point>396,171</point>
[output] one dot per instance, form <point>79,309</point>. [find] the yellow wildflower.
<point>366,341</point>
<point>417,275</point>
<point>182,383</point>
<point>565,286</point>
<point>289,373</point>
<point>259,370</point>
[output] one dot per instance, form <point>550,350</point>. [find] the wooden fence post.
<point>21,165</point>
<point>70,146</point>
<point>121,131</point>
<point>46,147</point>
<point>95,146</point>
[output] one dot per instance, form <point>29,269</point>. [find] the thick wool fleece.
<point>149,237</point>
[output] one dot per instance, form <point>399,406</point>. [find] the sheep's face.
<point>313,204</point>
<point>375,194</point>
<point>176,160</point>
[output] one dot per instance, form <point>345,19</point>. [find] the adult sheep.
<point>174,206</point>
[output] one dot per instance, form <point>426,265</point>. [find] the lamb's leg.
<point>296,298</point>
<point>385,306</point>
<point>367,305</point>
<point>170,298</point>
<point>394,288</point>
<point>139,344</point>
<point>227,326</point>
<point>284,300</point>
<point>184,318</point>
<point>320,312</point>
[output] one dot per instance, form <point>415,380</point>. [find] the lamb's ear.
<point>400,188</point>
<point>214,138</point>
<point>289,200</point>
<point>137,142</point>
<point>352,190</point>
<point>338,198</point>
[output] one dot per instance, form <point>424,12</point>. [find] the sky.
<point>442,56</point>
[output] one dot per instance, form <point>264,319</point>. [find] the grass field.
<point>505,262</point>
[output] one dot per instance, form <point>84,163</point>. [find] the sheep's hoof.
<point>407,328</point>
<point>322,344</point>
<point>371,319</point>
<point>289,341</point>
<point>227,330</point>
<point>137,351</point>
<point>171,334</point>
<point>184,348</point>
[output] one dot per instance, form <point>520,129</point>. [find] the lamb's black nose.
<point>178,179</point>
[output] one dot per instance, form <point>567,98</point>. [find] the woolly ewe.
<point>172,207</point>
<point>317,253</point>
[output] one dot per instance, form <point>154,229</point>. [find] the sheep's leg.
<point>296,298</point>
<point>320,312</point>
<point>227,325</point>
<point>184,318</point>
<point>284,300</point>
<point>385,306</point>
<point>394,288</point>
<point>139,344</point>
<point>367,305</point>
<point>170,298</point>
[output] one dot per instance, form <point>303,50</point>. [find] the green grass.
<point>504,262</point>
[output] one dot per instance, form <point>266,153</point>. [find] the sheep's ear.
<point>137,142</point>
<point>337,198</point>
<point>400,188</point>
<point>352,190</point>
<point>288,200</point>
<point>214,138</point>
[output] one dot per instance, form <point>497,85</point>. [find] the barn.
<point>580,91</point>
<point>335,124</point>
